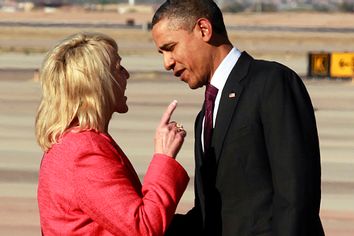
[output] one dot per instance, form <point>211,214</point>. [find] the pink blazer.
<point>87,186</point>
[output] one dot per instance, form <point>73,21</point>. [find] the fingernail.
<point>175,101</point>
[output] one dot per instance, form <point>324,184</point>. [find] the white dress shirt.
<point>219,80</point>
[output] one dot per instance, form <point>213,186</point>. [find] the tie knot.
<point>210,93</point>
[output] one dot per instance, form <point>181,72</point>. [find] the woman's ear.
<point>205,28</point>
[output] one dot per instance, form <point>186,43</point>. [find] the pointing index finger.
<point>165,119</point>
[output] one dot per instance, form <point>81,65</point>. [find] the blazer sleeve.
<point>292,145</point>
<point>107,193</point>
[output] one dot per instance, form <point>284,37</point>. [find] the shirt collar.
<point>224,69</point>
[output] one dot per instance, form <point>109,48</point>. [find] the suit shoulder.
<point>273,72</point>
<point>271,67</point>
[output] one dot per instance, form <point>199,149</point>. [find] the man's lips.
<point>178,73</point>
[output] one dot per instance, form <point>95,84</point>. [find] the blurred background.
<point>313,37</point>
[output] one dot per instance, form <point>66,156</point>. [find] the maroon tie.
<point>210,95</point>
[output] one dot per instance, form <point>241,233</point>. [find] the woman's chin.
<point>123,109</point>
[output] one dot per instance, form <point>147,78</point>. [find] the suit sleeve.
<point>189,224</point>
<point>107,193</point>
<point>186,225</point>
<point>292,145</point>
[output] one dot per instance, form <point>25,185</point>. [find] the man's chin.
<point>194,86</point>
<point>190,82</point>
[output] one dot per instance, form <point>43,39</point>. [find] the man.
<point>259,172</point>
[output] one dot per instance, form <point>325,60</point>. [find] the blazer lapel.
<point>198,152</point>
<point>229,100</point>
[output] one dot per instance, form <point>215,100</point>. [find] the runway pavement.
<point>148,95</point>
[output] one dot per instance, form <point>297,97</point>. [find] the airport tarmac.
<point>148,95</point>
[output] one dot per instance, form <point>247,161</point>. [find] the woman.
<point>87,186</point>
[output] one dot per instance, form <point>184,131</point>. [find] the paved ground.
<point>20,156</point>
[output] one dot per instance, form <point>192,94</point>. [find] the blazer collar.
<point>229,100</point>
<point>226,109</point>
<point>198,151</point>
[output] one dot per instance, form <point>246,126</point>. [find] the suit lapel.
<point>229,100</point>
<point>198,151</point>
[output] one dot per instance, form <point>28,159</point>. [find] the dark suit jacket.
<point>263,175</point>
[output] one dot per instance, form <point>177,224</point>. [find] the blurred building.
<point>8,6</point>
<point>123,6</point>
<point>51,3</point>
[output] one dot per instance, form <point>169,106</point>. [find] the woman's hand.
<point>169,136</point>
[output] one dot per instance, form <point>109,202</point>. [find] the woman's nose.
<point>125,73</point>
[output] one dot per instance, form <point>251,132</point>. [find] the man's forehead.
<point>163,31</point>
<point>171,24</point>
<point>163,25</point>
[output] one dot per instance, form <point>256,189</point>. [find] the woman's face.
<point>121,76</point>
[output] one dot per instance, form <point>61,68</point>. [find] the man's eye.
<point>170,48</point>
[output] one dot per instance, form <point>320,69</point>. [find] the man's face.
<point>184,52</point>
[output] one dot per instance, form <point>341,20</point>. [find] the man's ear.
<point>205,28</point>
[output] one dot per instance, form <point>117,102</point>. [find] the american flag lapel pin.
<point>232,95</point>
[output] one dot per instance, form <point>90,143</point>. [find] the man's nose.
<point>168,61</point>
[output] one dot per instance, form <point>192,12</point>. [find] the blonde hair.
<point>77,85</point>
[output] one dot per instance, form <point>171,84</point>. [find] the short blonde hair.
<point>77,85</point>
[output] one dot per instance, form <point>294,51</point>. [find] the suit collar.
<point>224,69</point>
<point>225,113</point>
<point>241,68</point>
<point>229,100</point>
<point>198,151</point>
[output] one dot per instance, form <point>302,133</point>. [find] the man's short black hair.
<point>185,13</point>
